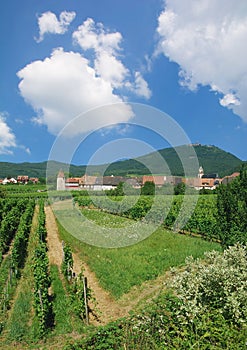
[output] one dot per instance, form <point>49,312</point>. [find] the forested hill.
<point>211,158</point>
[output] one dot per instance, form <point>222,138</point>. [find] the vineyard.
<point>164,211</point>
<point>55,288</point>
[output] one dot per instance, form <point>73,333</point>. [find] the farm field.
<point>45,260</point>
<point>119,269</point>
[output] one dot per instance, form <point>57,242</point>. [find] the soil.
<point>105,309</point>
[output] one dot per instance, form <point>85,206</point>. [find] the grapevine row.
<point>166,209</point>
<point>42,279</point>
<point>9,223</point>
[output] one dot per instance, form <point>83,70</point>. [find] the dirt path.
<point>106,308</point>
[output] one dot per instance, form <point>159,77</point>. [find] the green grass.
<point>119,269</point>
<point>60,304</point>
<point>18,326</point>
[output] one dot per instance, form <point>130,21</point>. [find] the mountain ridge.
<point>211,158</point>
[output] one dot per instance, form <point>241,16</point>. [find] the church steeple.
<point>200,172</point>
<point>60,181</point>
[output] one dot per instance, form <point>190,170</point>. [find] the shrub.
<point>217,283</point>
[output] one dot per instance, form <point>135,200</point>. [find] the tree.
<point>179,188</point>
<point>148,189</point>
<point>232,207</point>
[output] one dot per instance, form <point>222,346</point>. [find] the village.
<point>103,183</point>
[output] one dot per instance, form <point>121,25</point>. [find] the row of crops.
<point>29,306</point>
<point>15,223</point>
<point>166,210</point>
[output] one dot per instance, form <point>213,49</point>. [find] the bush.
<point>217,283</point>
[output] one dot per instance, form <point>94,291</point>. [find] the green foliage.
<point>19,249</point>
<point>179,188</point>
<point>120,269</point>
<point>232,210</point>
<point>160,326</point>
<point>174,322</point>
<point>67,264</point>
<point>77,296</point>
<point>203,219</point>
<point>11,213</point>
<point>218,283</point>
<point>42,281</point>
<point>60,301</point>
<point>211,158</point>
<point>2,192</point>
<point>148,188</point>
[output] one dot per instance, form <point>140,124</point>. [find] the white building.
<point>60,181</point>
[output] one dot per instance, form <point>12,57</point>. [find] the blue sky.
<point>62,58</point>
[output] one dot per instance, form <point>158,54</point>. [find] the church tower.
<point>60,181</point>
<point>201,172</point>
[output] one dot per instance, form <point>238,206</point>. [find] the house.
<point>9,181</point>
<point>72,183</point>
<point>87,182</point>
<point>22,179</point>
<point>208,182</point>
<point>228,179</point>
<point>105,183</point>
<point>34,180</point>
<point>158,180</point>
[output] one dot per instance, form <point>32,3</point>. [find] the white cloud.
<point>228,100</point>
<point>91,35</point>
<point>111,69</point>
<point>66,84</point>
<point>107,49</point>
<point>49,23</point>
<point>7,137</point>
<point>63,86</point>
<point>141,87</point>
<point>208,41</point>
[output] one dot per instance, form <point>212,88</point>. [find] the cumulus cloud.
<point>67,83</point>
<point>208,41</point>
<point>49,23</point>
<point>106,47</point>
<point>91,35</point>
<point>7,137</point>
<point>64,85</point>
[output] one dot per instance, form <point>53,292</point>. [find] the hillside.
<point>211,158</point>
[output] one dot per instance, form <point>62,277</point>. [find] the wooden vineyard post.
<point>63,249</point>
<point>85,298</point>
<point>40,300</point>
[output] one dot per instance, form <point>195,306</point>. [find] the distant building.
<point>23,179</point>
<point>72,183</point>
<point>158,180</point>
<point>60,181</point>
<point>87,182</point>
<point>34,180</point>
<point>200,172</point>
<point>9,181</point>
<point>228,179</point>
